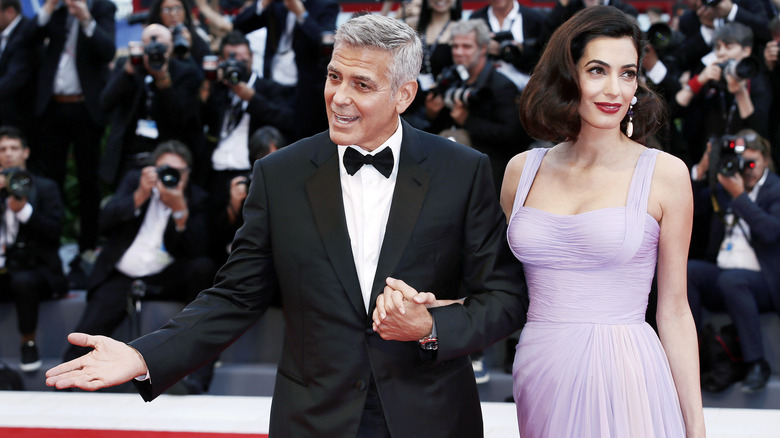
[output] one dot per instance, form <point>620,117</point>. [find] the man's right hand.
<point>110,363</point>
<point>147,182</point>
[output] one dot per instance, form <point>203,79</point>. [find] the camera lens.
<point>169,176</point>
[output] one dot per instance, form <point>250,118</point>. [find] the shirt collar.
<point>10,28</point>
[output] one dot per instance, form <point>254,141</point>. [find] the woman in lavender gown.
<point>591,218</point>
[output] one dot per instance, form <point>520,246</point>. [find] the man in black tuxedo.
<point>150,103</point>
<point>31,215</point>
<point>294,53</point>
<point>17,64</point>
<point>327,232</point>
<point>76,38</point>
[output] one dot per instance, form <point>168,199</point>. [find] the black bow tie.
<point>383,161</point>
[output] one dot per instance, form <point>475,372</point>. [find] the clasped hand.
<point>401,313</point>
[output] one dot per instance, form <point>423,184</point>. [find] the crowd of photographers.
<point>168,128</point>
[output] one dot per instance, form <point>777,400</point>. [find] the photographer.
<point>237,104</point>
<point>191,42</point>
<point>771,55</point>
<point>518,34</point>
<point>731,93</point>
<point>157,233</point>
<point>151,96</point>
<point>483,105</point>
<point>31,214</point>
<point>742,272</point>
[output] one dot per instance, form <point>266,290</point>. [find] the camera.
<point>233,70</point>
<point>710,3</point>
<point>247,180</point>
<point>726,154</point>
<point>169,176</point>
<point>451,85</point>
<point>663,40</point>
<point>744,69</point>
<point>180,43</point>
<point>155,53</point>
<point>19,182</point>
<point>507,50</point>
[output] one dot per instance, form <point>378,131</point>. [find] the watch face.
<point>430,344</point>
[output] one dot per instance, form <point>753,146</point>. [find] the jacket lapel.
<point>408,197</point>
<point>324,191</point>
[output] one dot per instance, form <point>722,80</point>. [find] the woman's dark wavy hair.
<point>155,14</point>
<point>426,14</point>
<point>550,102</point>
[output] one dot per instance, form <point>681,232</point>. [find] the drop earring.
<point>630,125</point>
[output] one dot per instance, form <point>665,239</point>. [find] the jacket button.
<point>360,385</point>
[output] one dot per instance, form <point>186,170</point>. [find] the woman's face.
<point>607,73</point>
<point>171,13</point>
<point>441,5</point>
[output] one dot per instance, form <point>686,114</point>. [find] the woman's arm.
<point>672,193</point>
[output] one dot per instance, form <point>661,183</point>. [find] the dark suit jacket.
<point>310,59</point>
<point>125,98</point>
<point>17,68</point>
<point>41,234</point>
<point>120,224</point>
<point>559,14</point>
<point>445,233</point>
<point>535,34</point>
<point>763,216</point>
<point>751,13</point>
<point>92,56</point>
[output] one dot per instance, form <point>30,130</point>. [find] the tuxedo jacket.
<point>535,35</point>
<point>41,234</point>
<point>445,234</point>
<point>92,56</point>
<point>124,97</point>
<point>17,68</point>
<point>120,223</point>
<point>751,13</point>
<point>763,217</point>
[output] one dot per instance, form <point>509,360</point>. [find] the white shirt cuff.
<point>89,29</point>
<point>733,13</point>
<point>43,17</point>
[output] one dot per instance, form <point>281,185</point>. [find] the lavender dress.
<point>587,364</point>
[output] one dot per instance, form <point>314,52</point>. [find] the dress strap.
<point>636,206</point>
<point>532,163</point>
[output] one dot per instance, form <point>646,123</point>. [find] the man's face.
<point>734,51</point>
<point>178,163</point>
<point>467,53</point>
<point>751,175</point>
<point>362,109</point>
<point>12,153</point>
<point>7,15</point>
<point>242,54</point>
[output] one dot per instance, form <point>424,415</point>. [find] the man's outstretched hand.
<point>110,363</point>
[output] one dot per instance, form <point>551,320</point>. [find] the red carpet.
<point>34,432</point>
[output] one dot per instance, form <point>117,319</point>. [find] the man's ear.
<point>405,96</point>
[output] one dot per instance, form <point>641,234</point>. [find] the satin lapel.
<point>324,191</point>
<point>408,197</point>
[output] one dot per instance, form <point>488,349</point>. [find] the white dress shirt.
<point>367,197</point>
<point>147,254</point>
<point>736,252</point>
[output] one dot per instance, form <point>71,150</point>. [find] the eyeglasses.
<point>171,10</point>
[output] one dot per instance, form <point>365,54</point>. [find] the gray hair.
<point>386,34</point>
<point>465,27</point>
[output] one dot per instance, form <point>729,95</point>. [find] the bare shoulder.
<point>671,172</point>
<point>514,170</point>
<point>671,187</point>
